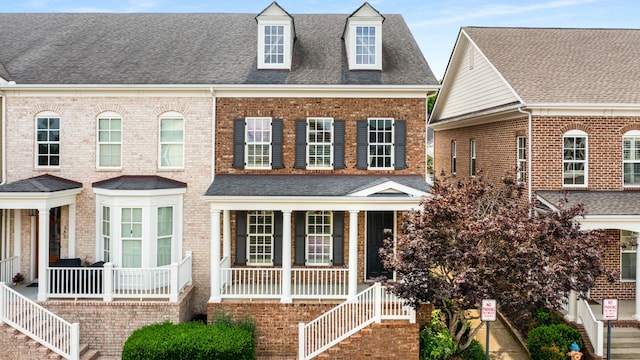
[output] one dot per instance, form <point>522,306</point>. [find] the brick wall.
<point>623,290</point>
<point>105,326</point>
<point>350,110</point>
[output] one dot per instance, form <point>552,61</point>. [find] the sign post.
<point>609,312</point>
<point>488,314</point>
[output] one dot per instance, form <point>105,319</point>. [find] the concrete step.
<point>625,343</point>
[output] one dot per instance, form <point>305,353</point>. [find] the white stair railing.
<point>371,305</point>
<point>45,327</point>
<point>593,327</point>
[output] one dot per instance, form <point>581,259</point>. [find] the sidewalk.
<point>502,344</point>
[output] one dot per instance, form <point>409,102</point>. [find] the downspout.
<point>529,155</point>
<point>213,133</point>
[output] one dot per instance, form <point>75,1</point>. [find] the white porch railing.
<point>8,268</point>
<point>124,283</point>
<point>40,324</point>
<point>593,327</point>
<point>263,283</point>
<point>371,305</point>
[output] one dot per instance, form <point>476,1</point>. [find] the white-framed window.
<point>454,156</point>
<point>48,140</point>
<point>260,237</point>
<point>320,143</point>
<point>139,229</point>
<point>319,238</point>
<point>258,143</point>
<point>274,44</point>
<point>574,158</point>
<point>631,158</point>
<point>522,159</point>
<point>275,38</point>
<point>472,158</point>
<point>380,143</point>
<point>109,140</point>
<point>366,45</point>
<point>164,235</point>
<point>628,248</point>
<point>171,152</point>
<point>131,237</point>
<point>106,234</point>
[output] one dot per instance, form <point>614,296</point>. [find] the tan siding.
<point>474,88</point>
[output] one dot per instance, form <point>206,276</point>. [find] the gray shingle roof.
<point>546,65</point>
<point>192,49</point>
<point>598,202</point>
<point>304,185</point>
<point>40,184</point>
<point>139,182</point>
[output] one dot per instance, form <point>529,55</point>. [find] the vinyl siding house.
<point>205,163</point>
<point>560,109</point>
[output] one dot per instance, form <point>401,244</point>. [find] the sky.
<point>435,24</point>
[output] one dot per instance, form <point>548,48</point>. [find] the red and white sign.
<point>489,310</point>
<point>610,309</point>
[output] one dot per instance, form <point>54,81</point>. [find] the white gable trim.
<point>389,187</point>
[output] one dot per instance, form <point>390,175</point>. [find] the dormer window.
<point>276,34</point>
<point>363,39</point>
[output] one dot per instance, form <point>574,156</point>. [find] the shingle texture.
<point>304,185</point>
<point>598,202</point>
<point>577,66</point>
<point>40,184</point>
<point>132,182</point>
<point>192,49</point>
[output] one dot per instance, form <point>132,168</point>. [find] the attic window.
<point>363,39</point>
<point>276,34</point>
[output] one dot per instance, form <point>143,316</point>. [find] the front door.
<point>54,237</point>
<point>377,222</point>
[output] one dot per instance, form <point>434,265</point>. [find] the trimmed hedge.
<point>192,340</point>
<point>551,342</point>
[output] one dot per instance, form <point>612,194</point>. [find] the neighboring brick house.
<point>269,152</point>
<point>559,109</point>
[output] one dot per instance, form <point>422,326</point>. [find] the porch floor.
<point>626,309</point>
<point>30,293</point>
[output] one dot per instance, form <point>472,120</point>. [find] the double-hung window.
<point>260,227</point>
<point>320,143</point>
<point>574,158</point>
<point>381,143</point>
<point>453,156</point>
<point>109,141</point>
<point>366,45</point>
<point>472,158</point>
<point>274,44</point>
<point>171,141</point>
<point>48,140</point>
<point>363,39</point>
<point>522,159</point>
<point>258,142</point>
<point>164,235</point>
<point>628,248</point>
<point>631,158</point>
<point>319,237</point>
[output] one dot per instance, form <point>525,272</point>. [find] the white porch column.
<point>72,230</point>
<point>43,252</point>
<point>17,233</point>
<point>572,306</point>
<point>286,257</point>
<point>636,314</point>
<point>226,234</point>
<point>353,253</point>
<point>215,255</point>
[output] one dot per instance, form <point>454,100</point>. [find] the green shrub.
<point>551,342</point>
<point>435,341</point>
<point>221,318</point>
<point>547,318</point>
<point>475,351</point>
<point>192,340</point>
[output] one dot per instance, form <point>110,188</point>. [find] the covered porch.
<point>356,209</point>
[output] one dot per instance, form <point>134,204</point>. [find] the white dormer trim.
<point>274,17</point>
<point>366,22</point>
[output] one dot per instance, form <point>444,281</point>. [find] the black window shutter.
<point>301,145</point>
<point>400,143</point>
<point>338,144</point>
<point>338,238</point>
<point>277,238</point>
<point>276,144</point>
<point>238,143</point>
<point>300,237</point>
<point>362,131</point>
<point>241,238</point>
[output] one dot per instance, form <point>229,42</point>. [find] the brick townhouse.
<point>206,163</point>
<point>559,109</point>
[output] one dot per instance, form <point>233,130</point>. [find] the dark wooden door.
<point>377,222</point>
